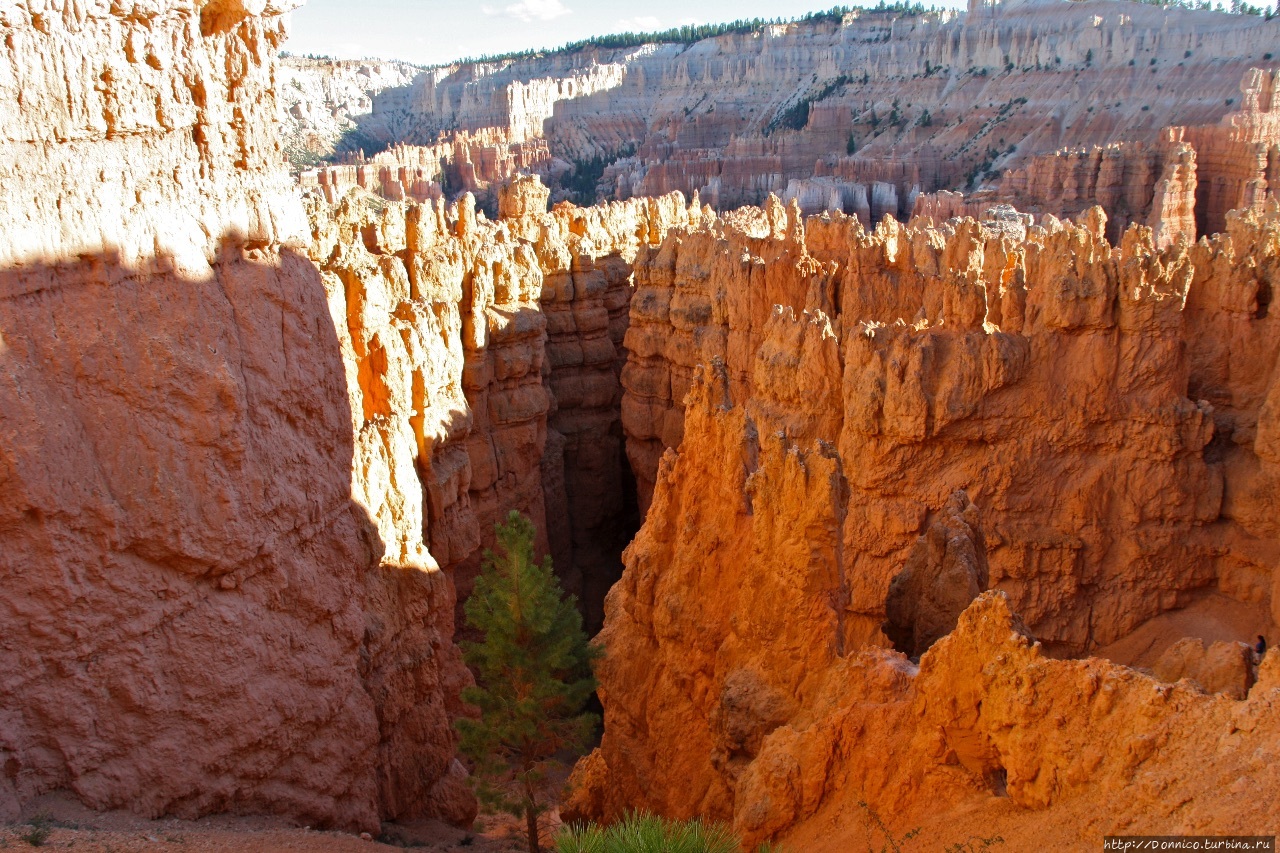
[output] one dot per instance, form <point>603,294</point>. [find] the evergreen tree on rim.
<point>533,673</point>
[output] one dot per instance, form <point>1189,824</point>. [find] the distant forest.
<point>689,34</point>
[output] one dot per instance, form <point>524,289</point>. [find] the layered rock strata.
<point>913,339</point>
<point>484,363</point>
<point>202,610</point>
<point>879,104</point>
<point>1182,185</point>
<point>320,98</point>
<point>989,738</point>
<point>477,163</point>
<point>803,396</point>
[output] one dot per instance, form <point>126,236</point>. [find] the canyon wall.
<point>320,98</point>
<point>878,106</point>
<point>484,363</point>
<point>479,163</point>
<point>1182,185</point>
<point>203,610</point>
<point>804,398</point>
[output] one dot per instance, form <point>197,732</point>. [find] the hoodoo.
<point>895,389</point>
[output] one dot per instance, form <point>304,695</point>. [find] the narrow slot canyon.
<point>486,360</point>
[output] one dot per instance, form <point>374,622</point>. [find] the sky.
<point>430,32</point>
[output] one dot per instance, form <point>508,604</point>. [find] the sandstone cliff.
<point>199,614</point>
<point>876,106</point>
<point>483,362</point>
<point>827,389</point>
<point>320,99</point>
<point>1182,185</point>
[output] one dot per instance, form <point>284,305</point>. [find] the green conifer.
<point>533,674</point>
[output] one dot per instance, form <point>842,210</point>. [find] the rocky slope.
<point>1182,185</point>
<point>320,99</point>
<point>197,615</point>
<point>252,445</point>
<point>860,114</point>
<point>805,398</point>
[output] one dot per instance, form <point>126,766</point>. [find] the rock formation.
<point>320,98</point>
<point>802,395</point>
<point>1220,668</point>
<point>477,163</point>
<point>200,614</point>
<point>879,336</point>
<point>867,111</point>
<point>946,570</point>
<point>1183,184</point>
<point>483,364</point>
<point>252,447</point>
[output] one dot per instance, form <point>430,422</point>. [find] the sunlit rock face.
<point>804,398</point>
<point>483,362</point>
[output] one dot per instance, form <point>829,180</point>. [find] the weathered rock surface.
<point>320,98</point>
<point>479,163</point>
<point>938,337</point>
<point>1220,668</point>
<point>483,363</point>
<point>868,111</point>
<point>1182,184</point>
<point>946,570</point>
<point>200,614</point>
<point>802,395</point>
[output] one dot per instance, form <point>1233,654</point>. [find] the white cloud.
<point>644,23</point>
<point>531,10</point>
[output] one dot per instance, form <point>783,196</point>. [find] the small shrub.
<point>892,844</point>
<point>640,833</point>
<point>40,827</point>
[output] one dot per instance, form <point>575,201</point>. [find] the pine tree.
<point>533,673</point>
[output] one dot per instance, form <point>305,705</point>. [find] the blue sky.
<point>435,31</point>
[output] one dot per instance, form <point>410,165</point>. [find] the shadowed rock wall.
<point>199,614</point>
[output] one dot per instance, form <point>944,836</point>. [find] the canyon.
<point>901,493</point>
<point>1046,105</point>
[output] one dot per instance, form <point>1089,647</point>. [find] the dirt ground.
<point>66,824</point>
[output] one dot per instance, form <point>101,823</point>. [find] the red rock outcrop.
<point>483,361</point>
<point>946,570</point>
<point>849,383</point>
<point>1153,184</point>
<point>1241,155</point>
<point>199,614</point>
<point>1220,668</point>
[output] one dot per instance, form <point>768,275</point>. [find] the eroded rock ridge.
<point>804,399</point>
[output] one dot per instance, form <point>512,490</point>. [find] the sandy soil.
<point>71,826</point>
<point>1212,617</point>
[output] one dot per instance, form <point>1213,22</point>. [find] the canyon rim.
<point>895,389</point>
